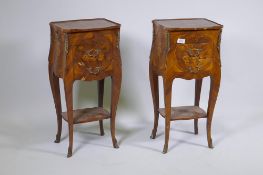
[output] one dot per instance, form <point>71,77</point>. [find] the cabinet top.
<point>84,25</point>
<point>187,24</point>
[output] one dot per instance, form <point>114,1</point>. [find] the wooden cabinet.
<point>85,50</point>
<point>188,49</point>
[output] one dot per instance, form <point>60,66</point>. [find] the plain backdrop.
<point>27,112</point>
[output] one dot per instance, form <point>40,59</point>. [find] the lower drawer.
<point>93,56</point>
<point>193,51</point>
<point>194,57</point>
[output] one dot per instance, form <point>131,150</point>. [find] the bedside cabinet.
<point>85,50</point>
<point>187,49</point>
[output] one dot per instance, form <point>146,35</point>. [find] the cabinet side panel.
<point>158,51</point>
<point>60,53</point>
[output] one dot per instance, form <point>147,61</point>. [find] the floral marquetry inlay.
<point>193,57</point>
<point>95,55</point>
<point>192,60</point>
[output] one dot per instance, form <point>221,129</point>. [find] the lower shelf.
<point>184,113</point>
<point>87,115</point>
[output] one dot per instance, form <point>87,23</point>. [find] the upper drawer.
<point>189,37</point>
<point>95,38</point>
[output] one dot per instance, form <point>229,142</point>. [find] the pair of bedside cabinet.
<point>89,50</point>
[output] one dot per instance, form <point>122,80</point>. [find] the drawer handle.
<point>194,52</point>
<point>93,53</point>
<point>91,70</point>
<point>94,71</point>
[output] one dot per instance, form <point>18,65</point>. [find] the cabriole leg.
<point>167,84</point>
<point>115,93</point>
<point>68,86</point>
<point>214,88</point>
<point>54,83</point>
<point>155,96</point>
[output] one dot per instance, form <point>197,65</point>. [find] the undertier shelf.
<point>184,112</point>
<point>87,115</point>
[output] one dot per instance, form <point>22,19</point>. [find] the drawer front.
<point>194,57</point>
<point>93,52</point>
<point>194,51</point>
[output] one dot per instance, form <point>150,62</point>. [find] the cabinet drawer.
<point>194,57</point>
<point>108,36</point>
<point>194,51</point>
<point>92,58</point>
<point>93,51</point>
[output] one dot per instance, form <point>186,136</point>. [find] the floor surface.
<point>27,147</point>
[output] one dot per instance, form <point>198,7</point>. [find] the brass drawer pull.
<point>91,70</point>
<point>94,71</point>
<point>193,52</point>
<point>91,55</point>
<point>93,52</point>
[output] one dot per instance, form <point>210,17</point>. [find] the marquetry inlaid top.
<point>84,25</point>
<point>187,24</point>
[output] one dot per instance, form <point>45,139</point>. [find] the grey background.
<point>27,113</point>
